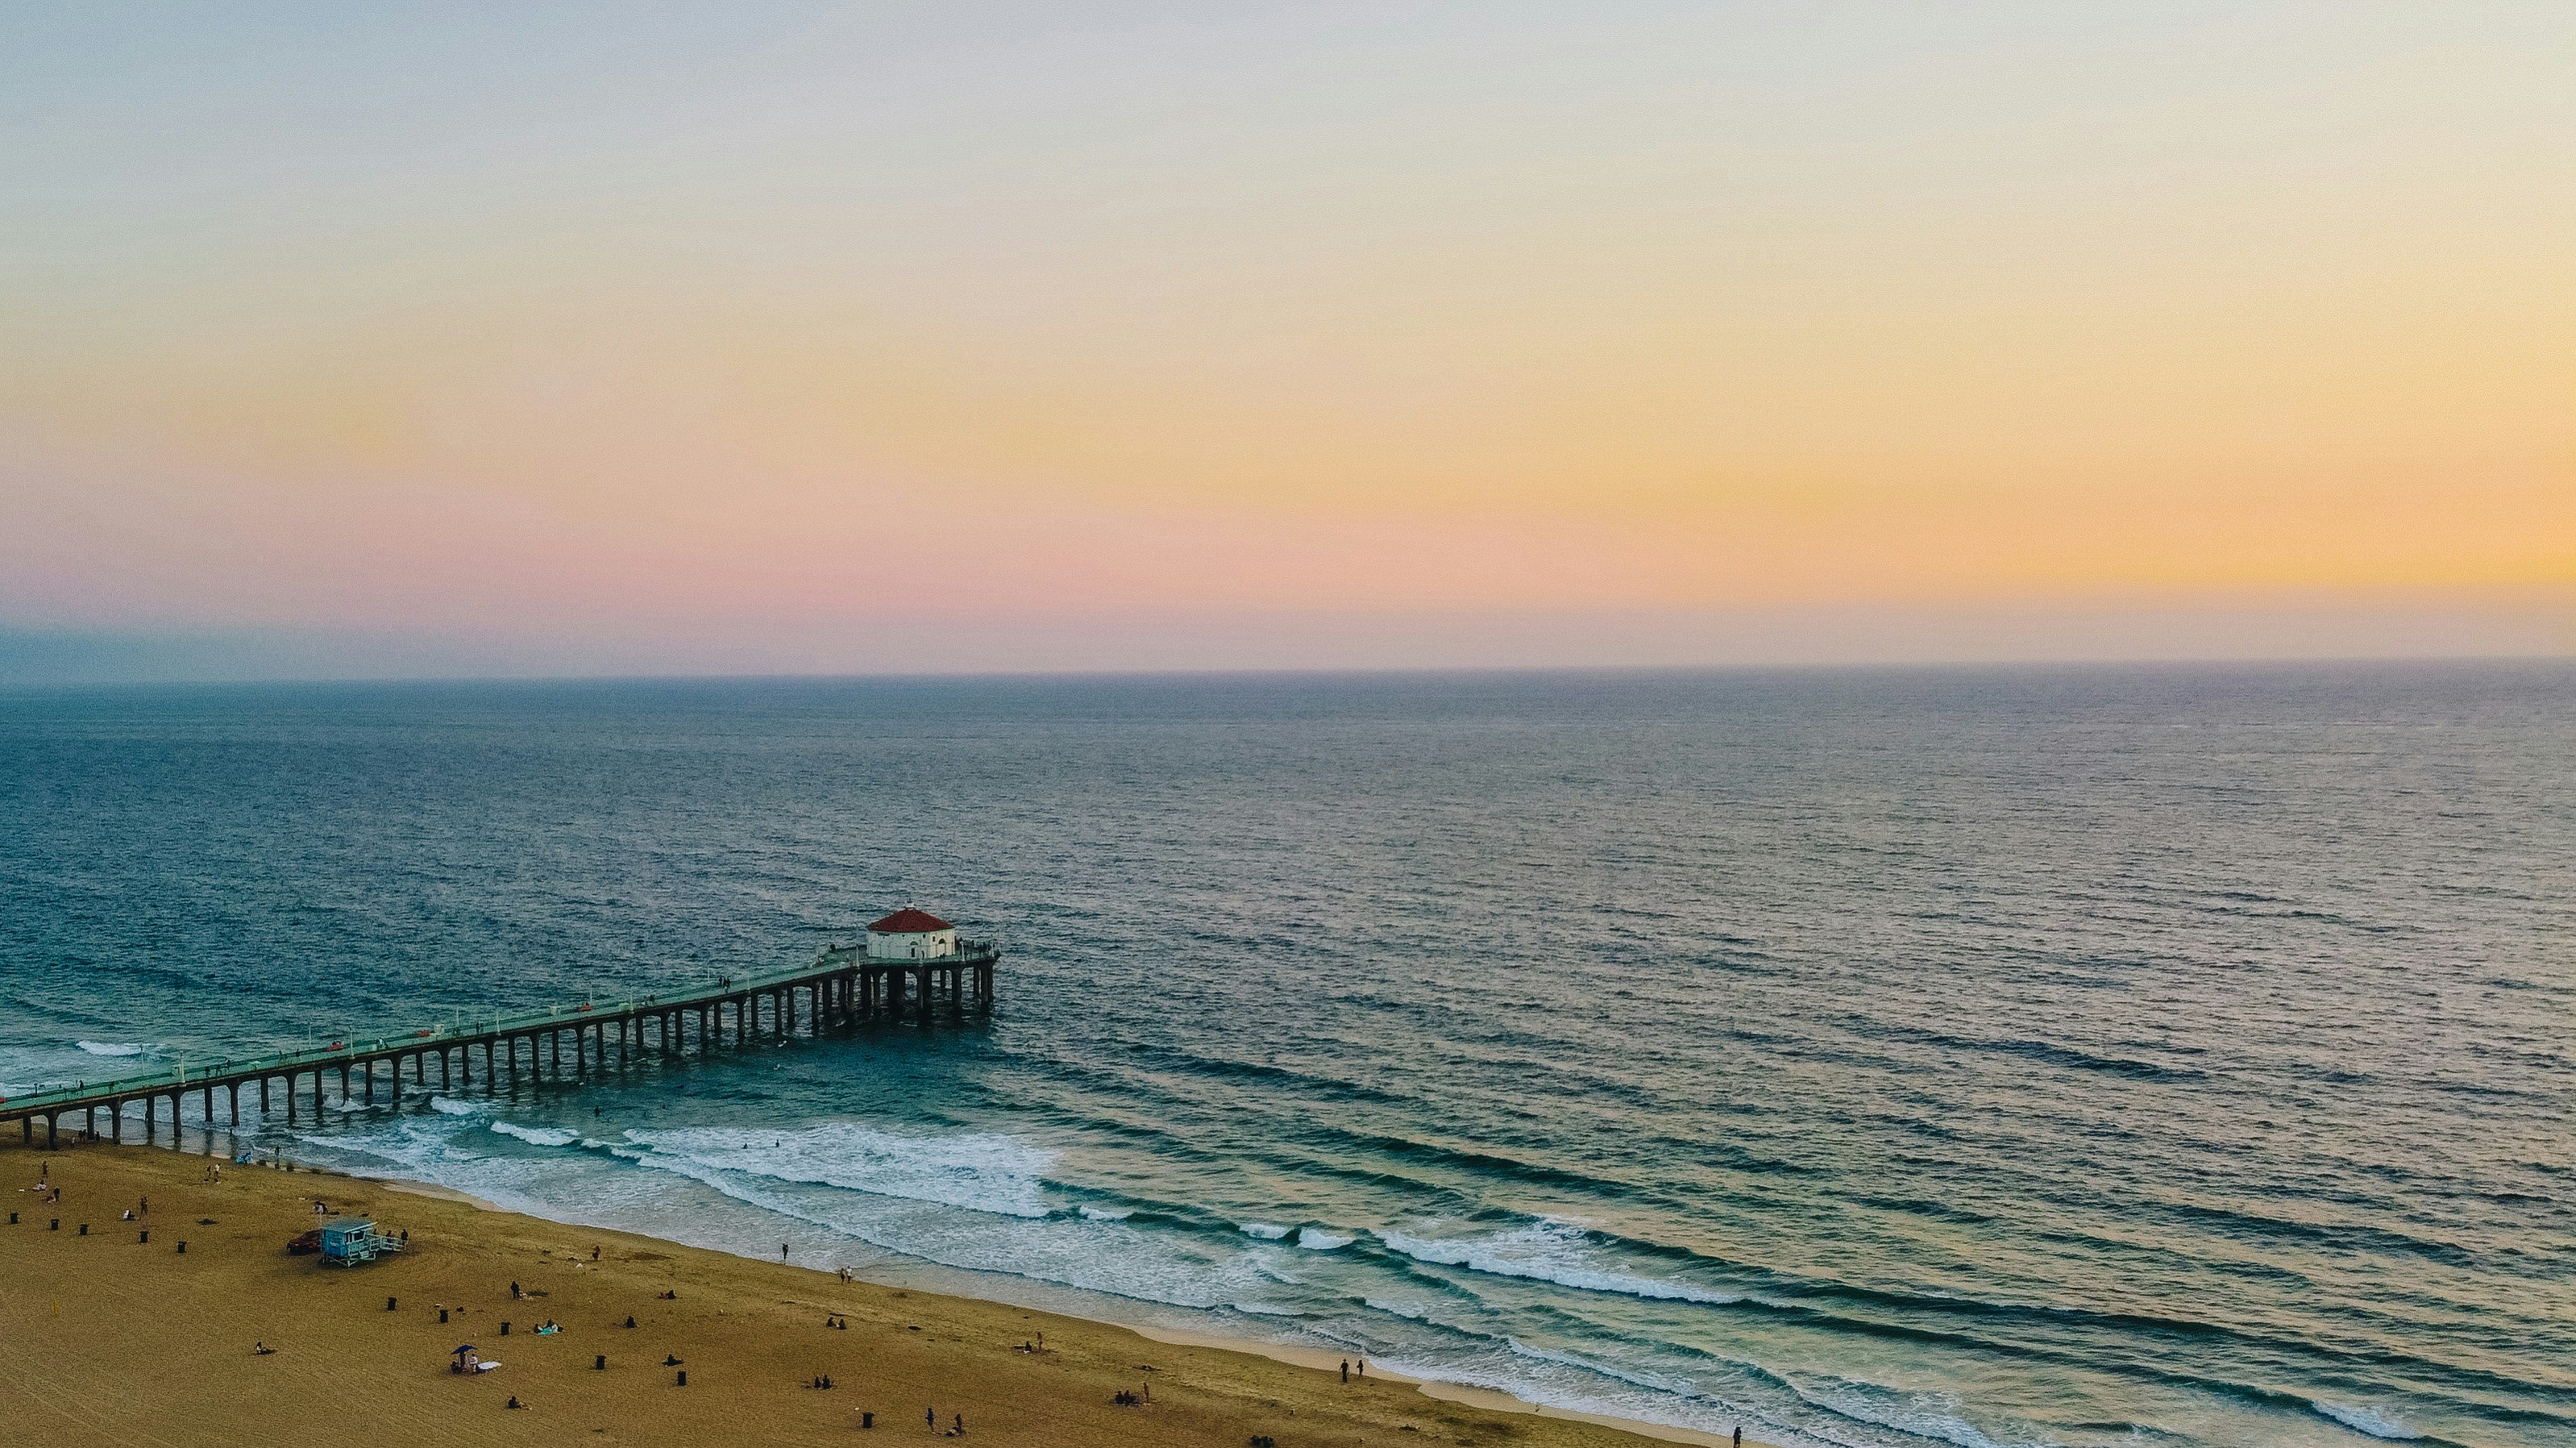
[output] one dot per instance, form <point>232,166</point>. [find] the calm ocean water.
<point>1876,1058</point>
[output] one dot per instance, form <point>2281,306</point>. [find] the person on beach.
<point>930,1419</point>
<point>515,1294</point>
<point>1346,1370</point>
<point>1739,1435</point>
<point>961,1425</point>
<point>261,1349</point>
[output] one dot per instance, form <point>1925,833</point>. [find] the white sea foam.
<point>1657,1381</point>
<point>1106,1257</point>
<point>1266,1231</point>
<point>1547,1251</point>
<point>110,1048</point>
<point>1316,1239</point>
<point>445,1107</point>
<point>23,1071</point>
<point>1924,1415</point>
<point>1072,1248</point>
<point>981,1171</point>
<point>538,1135</point>
<point>2372,1421</point>
<point>1107,1214</point>
<point>426,1148</point>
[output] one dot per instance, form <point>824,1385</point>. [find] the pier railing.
<point>186,1074</point>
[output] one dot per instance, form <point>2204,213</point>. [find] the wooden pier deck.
<point>842,987</point>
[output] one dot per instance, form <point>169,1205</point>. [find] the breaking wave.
<point>538,1135</point>
<point>1547,1251</point>
<point>980,1171</point>
<point>2372,1421</point>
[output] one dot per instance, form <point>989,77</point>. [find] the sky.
<point>465,339</point>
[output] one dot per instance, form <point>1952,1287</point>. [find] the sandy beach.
<point>115,1339</point>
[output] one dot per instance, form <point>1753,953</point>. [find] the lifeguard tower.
<point>348,1241</point>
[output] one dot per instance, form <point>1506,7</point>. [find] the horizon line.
<point>2245,664</point>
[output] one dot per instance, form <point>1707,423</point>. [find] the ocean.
<point>2080,1056</point>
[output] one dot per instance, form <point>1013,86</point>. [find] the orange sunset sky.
<point>821,338</point>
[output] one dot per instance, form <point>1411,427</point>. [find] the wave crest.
<point>538,1135</point>
<point>2372,1421</point>
<point>1547,1251</point>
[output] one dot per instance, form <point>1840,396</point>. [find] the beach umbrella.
<point>462,1350</point>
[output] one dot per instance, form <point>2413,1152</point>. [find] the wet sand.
<point>113,1340</point>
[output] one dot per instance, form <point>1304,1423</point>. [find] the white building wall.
<point>911,945</point>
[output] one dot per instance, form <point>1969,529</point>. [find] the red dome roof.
<point>908,921</point>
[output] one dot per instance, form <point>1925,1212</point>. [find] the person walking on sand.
<point>1739,1435</point>
<point>930,1419</point>
<point>1346,1370</point>
<point>961,1425</point>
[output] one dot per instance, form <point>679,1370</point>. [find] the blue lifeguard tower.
<point>348,1241</point>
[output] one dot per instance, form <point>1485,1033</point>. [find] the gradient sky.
<point>885,336</point>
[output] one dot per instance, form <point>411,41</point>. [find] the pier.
<point>844,986</point>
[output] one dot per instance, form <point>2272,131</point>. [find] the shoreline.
<point>1496,1400</point>
<point>466,1230</point>
<point>1491,1400</point>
